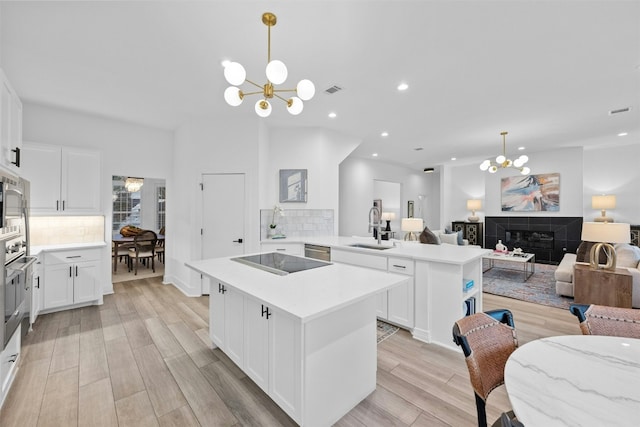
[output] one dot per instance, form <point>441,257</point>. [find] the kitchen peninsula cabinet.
<point>64,180</point>
<point>71,277</point>
<point>10,126</point>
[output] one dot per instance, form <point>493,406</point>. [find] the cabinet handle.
<point>17,162</point>
<point>38,282</point>
<point>221,288</point>
<point>76,271</point>
<point>57,205</point>
<point>70,271</point>
<point>13,358</point>
<point>63,205</point>
<point>281,249</point>
<point>265,311</point>
<point>74,256</point>
<point>399,266</point>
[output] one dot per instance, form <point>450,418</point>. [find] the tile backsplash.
<point>54,230</point>
<point>298,222</point>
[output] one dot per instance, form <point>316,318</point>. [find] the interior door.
<point>223,216</point>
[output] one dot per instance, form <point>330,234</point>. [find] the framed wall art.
<point>293,185</point>
<point>531,193</point>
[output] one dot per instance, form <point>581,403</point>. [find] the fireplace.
<point>549,238</point>
<point>528,240</point>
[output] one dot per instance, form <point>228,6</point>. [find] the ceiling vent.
<point>333,89</point>
<point>619,110</point>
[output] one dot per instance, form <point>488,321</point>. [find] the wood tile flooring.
<point>144,359</point>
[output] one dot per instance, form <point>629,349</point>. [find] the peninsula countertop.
<point>305,294</point>
<point>444,253</point>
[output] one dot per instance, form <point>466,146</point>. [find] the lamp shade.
<point>607,201</point>
<point>474,204</point>
<point>388,216</point>
<point>608,232</point>
<point>411,224</point>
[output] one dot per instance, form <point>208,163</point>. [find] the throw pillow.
<point>451,239</point>
<point>428,237</point>
<point>627,255</point>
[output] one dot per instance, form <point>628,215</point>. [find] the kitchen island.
<point>308,339</point>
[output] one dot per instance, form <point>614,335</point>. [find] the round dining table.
<point>575,380</point>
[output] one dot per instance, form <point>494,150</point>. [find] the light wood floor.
<point>144,358</point>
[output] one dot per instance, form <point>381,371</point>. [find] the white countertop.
<point>445,253</point>
<point>35,250</point>
<point>304,294</point>
<point>576,380</point>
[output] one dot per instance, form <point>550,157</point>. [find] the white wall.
<point>317,150</point>
<point>127,149</point>
<point>613,170</point>
<point>357,178</point>
<point>469,182</point>
<point>226,145</point>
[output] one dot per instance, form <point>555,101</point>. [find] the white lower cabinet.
<point>71,277</point>
<point>263,342</point>
<point>400,301</point>
<point>36,290</point>
<point>9,359</point>
<point>226,320</point>
<point>272,353</point>
<point>397,304</point>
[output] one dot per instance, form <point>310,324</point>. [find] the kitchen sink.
<point>367,246</point>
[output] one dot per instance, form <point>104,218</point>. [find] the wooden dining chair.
<point>487,340</point>
<point>604,320</point>
<point>144,248</point>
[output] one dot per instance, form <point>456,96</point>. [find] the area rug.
<point>385,330</point>
<point>540,288</point>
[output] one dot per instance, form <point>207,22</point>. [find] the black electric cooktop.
<point>281,264</point>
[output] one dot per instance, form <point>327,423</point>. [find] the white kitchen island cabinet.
<point>309,338</point>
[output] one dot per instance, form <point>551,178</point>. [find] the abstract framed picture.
<point>531,193</point>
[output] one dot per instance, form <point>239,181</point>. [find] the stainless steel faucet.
<point>377,225</point>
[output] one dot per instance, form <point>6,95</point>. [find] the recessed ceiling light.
<point>453,158</point>
<point>332,115</point>
<point>623,134</point>
<point>375,154</point>
<point>384,134</point>
<point>403,86</point>
<point>520,148</point>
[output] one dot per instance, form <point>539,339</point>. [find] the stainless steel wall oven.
<point>15,279</point>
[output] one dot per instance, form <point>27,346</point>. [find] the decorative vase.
<point>500,247</point>
<point>271,232</point>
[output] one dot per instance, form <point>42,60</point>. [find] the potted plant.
<point>277,211</point>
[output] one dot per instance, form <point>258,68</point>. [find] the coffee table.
<point>527,260</point>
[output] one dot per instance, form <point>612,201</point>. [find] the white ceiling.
<point>546,71</point>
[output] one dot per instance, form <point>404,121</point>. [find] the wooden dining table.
<point>575,380</point>
<point>118,239</point>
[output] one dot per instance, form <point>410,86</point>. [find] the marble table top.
<point>576,380</point>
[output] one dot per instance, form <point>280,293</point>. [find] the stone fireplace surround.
<point>566,232</point>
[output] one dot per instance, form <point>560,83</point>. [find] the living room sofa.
<point>628,257</point>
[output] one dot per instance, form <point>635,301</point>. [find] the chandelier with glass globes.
<point>502,162</point>
<point>276,73</point>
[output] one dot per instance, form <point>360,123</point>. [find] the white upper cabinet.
<point>64,180</point>
<point>10,126</point>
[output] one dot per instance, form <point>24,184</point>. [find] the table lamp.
<point>410,226</point>
<point>603,203</point>
<point>473,205</point>
<point>603,234</point>
<point>388,216</point>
